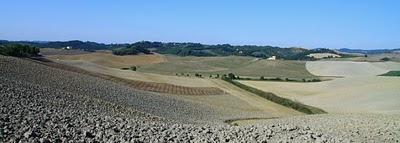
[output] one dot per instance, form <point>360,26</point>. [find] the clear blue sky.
<point>367,24</point>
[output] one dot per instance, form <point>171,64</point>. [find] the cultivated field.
<point>106,58</point>
<point>395,56</point>
<point>52,51</point>
<point>263,107</point>
<point>181,85</point>
<point>172,65</point>
<point>242,66</point>
<point>360,90</point>
<point>349,68</point>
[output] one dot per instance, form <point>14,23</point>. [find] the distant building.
<point>272,58</point>
<point>67,48</point>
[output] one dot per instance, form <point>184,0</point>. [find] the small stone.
<point>89,135</point>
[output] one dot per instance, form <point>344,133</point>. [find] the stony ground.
<point>60,110</point>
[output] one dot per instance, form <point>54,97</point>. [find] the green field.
<point>392,73</point>
<point>242,66</point>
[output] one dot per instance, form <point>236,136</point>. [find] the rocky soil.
<point>41,104</point>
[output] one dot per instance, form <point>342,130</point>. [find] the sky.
<point>356,24</point>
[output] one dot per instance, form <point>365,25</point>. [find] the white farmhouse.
<point>272,58</point>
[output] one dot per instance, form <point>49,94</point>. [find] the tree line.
<point>18,50</point>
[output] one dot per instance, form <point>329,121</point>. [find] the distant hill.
<point>181,49</point>
<point>202,50</point>
<point>75,44</point>
<point>361,51</point>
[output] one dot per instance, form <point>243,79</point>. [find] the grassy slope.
<point>242,66</point>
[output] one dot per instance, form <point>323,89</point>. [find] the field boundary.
<point>277,99</point>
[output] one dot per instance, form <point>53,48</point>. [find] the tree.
<point>231,76</point>
<point>133,68</point>
<point>18,50</point>
<point>385,59</point>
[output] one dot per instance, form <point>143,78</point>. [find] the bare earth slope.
<point>93,87</point>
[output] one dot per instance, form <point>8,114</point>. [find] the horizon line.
<point>108,43</point>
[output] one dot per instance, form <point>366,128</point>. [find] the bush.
<point>231,76</point>
<point>18,50</point>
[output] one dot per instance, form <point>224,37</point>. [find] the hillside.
<point>41,103</point>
